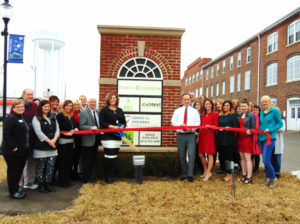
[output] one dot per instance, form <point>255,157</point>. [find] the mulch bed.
<point>166,200</point>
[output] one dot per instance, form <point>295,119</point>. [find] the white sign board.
<point>150,138</point>
<point>143,120</point>
<point>130,104</point>
<point>151,104</point>
<point>139,88</point>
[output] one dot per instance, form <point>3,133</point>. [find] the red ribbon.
<point>170,128</point>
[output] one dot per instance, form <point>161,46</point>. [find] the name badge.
<point>21,121</point>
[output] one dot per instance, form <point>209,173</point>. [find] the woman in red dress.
<point>207,138</point>
<point>247,120</point>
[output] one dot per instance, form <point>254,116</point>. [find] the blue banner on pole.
<point>15,48</point>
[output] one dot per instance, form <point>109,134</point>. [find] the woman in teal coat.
<point>270,121</point>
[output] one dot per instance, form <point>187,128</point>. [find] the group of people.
<point>243,147</point>
<point>41,150</point>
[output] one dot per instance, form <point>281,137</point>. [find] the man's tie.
<point>95,119</point>
<point>185,116</point>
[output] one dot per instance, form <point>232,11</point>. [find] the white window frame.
<point>196,93</point>
<point>249,53</point>
<point>207,74</point>
<point>201,74</point>
<point>293,68</point>
<point>218,69</point>
<point>238,82</point>
<point>231,62</point>
<point>186,81</point>
<point>190,80</point>
<point>272,74</point>
<point>193,78</point>
<point>212,72</point>
<point>217,89</point>
<point>224,66</point>
<point>223,87</point>
<point>274,101</point>
<point>231,85</point>
<point>239,60</point>
<point>200,91</point>
<point>206,95</point>
<point>294,32</point>
<point>211,90</point>
<point>247,80</point>
<point>272,44</point>
<point>197,76</point>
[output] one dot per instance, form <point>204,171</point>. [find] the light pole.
<point>6,12</point>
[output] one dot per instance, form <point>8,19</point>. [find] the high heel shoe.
<point>248,180</point>
<point>206,178</point>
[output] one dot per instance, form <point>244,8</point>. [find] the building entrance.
<point>293,114</point>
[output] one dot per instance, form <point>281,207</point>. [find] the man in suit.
<point>89,120</point>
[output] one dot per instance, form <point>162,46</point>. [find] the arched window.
<point>294,32</point>
<point>140,68</point>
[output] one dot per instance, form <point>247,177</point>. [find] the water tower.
<point>48,64</point>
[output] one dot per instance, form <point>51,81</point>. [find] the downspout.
<point>258,71</point>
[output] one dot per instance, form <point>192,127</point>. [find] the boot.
<point>266,182</point>
<point>273,183</point>
<point>49,188</point>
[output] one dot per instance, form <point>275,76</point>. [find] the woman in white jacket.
<point>279,149</point>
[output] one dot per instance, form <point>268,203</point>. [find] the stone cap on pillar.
<point>140,30</point>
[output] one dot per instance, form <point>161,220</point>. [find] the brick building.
<point>142,64</point>
<point>268,63</point>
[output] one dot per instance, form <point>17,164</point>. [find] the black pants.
<point>15,166</point>
<point>64,162</point>
<point>75,157</point>
<point>256,162</point>
<point>89,157</point>
<point>198,163</point>
<point>221,157</point>
<point>226,153</point>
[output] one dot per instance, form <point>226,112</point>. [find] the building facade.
<point>142,64</point>
<point>268,63</point>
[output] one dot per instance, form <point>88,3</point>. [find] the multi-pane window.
<point>239,59</point>
<point>196,93</point>
<point>200,91</point>
<point>223,87</point>
<point>217,89</point>
<point>294,32</point>
<point>186,81</point>
<point>218,69</point>
<point>206,95</point>
<point>207,74</point>
<point>231,84</point>
<point>211,90</point>
<point>201,74</point>
<point>190,79</point>
<point>231,62</point>
<point>197,76</point>
<point>238,82</point>
<point>293,68</point>
<point>248,55</point>
<point>212,72</point>
<point>224,66</point>
<point>273,42</point>
<point>272,74</point>
<point>274,101</point>
<point>247,80</point>
<point>193,79</point>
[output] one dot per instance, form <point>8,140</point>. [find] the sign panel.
<point>143,120</point>
<point>150,138</point>
<point>129,104</point>
<point>139,88</point>
<point>15,48</point>
<point>151,104</point>
<point>132,136</point>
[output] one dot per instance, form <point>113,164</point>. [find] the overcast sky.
<point>212,27</point>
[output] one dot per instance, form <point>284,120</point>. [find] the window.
<point>212,73</point>
<point>200,91</point>
<point>238,82</point>
<point>196,93</point>
<point>223,88</point>
<point>193,79</point>
<point>231,62</point>
<point>186,81</point>
<point>201,74</point>
<point>206,92</point>
<point>140,68</point>
<point>274,101</point>
<point>224,66</point>
<point>197,76</point>
<point>207,74</point>
<point>247,80</point>
<point>190,79</point>
<point>273,42</point>
<point>211,91</point>
<point>293,68</point>
<point>217,89</point>
<point>239,59</point>
<point>231,84</point>
<point>218,69</point>
<point>294,32</point>
<point>248,55</point>
<point>272,74</point>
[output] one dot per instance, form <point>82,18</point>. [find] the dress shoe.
<point>18,195</point>
<point>42,189</point>
<point>207,177</point>
<point>183,178</point>
<point>190,179</point>
<point>49,188</point>
<point>109,180</point>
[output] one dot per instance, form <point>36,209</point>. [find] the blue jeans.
<point>267,152</point>
<point>276,161</point>
<point>187,143</point>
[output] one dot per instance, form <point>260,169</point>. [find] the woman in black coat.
<point>111,116</point>
<point>15,147</point>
